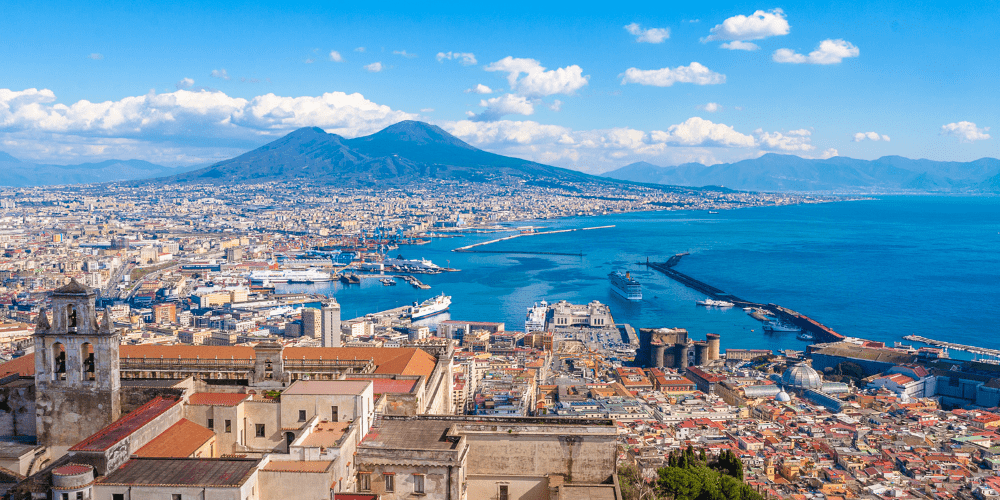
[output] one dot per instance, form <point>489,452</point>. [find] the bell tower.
<point>77,379</point>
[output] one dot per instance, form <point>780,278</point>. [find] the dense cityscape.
<point>187,280</point>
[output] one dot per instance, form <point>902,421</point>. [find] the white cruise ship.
<point>430,307</point>
<point>624,285</point>
<point>290,276</point>
<point>534,321</point>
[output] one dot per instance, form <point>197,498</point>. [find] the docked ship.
<point>412,265</point>
<point>534,321</point>
<point>714,303</point>
<point>775,326</point>
<point>307,276</point>
<point>430,307</point>
<point>624,285</point>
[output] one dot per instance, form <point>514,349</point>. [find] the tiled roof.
<point>217,472</point>
<point>125,426</point>
<point>217,398</point>
<point>180,440</point>
<point>72,470</point>
<point>389,360</point>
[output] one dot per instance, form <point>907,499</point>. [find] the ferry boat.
<point>307,276</point>
<point>430,307</point>
<point>624,285</point>
<point>775,326</point>
<point>714,303</point>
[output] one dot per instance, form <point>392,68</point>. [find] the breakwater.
<point>470,248</point>
<point>820,332</point>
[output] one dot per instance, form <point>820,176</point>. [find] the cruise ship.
<point>624,285</point>
<point>290,276</point>
<point>412,265</point>
<point>714,303</point>
<point>430,307</point>
<point>534,321</point>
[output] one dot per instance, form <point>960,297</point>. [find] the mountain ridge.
<point>18,173</point>
<point>789,173</point>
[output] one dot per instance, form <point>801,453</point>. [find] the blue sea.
<point>877,269</point>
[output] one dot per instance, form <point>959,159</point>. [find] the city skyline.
<point>586,92</point>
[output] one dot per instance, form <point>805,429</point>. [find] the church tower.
<point>77,379</point>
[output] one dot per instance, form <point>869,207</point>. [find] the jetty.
<point>470,248</point>
<point>820,332</point>
<point>952,345</point>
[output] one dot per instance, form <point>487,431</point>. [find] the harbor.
<point>955,346</point>
<point>470,248</point>
<point>818,331</point>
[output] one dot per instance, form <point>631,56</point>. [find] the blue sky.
<point>570,85</point>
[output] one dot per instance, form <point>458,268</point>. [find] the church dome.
<point>801,376</point>
<point>783,397</point>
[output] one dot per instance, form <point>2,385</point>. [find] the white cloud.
<point>738,45</point>
<point>309,61</point>
<point>464,58</point>
<point>651,35</point>
<point>507,104</point>
<point>871,136</point>
<point>756,26</point>
<point>697,131</point>
<point>794,140</point>
<point>335,56</point>
<point>965,131</point>
<point>374,67</point>
<point>538,82</point>
<point>184,83</point>
<point>96,56</point>
<point>694,73</point>
<point>182,117</point>
<point>359,49</point>
<point>219,73</point>
<point>480,89</point>
<point>829,153</point>
<point>556,105</point>
<point>711,107</point>
<point>828,52</point>
<point>404,54</point>
<point>427,110</point>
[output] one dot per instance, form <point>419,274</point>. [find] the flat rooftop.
<point>410,435</point>
<point>298,466</point>
<point>218,472</point>
<point>180,440</point>
<point>324,387</point>
<point>326,434</point>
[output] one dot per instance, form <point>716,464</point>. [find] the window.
<point>211,423</point>
<point>65,496</point>
<point>390,482</point>
<point>364,481</point>
<point>260,430</point>
<point>175,496</point>
<point>79,495</point>
<point>302,415</point>
<point>335,415</point>
<point>503,492</point>
<point>229,426</point>
<point>117,496</point>
<point>418,483</point>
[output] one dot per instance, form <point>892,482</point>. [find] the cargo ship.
<point>430,307</point>
<point>624,285</point>
<point>308,276</point>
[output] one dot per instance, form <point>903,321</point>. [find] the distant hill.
<point>17,173</point>
<point>400,154</point>
<point>774,172</point>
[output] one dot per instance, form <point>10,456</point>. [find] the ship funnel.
<point>628,275</point>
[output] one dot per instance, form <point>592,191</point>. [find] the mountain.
<point>774,172</point>
<point>17,173</point>
<point>406,152</point>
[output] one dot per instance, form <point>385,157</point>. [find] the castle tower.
<point>77,379</point>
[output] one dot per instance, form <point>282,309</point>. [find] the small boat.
<point>805,336</point>
<point>714,303</point>
<point>388,282</point>
<point>775,326</point>
<point>712,212</point>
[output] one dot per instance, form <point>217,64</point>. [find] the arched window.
<point>71,317</point>
<point>59,361</point>
<point>87,361</point>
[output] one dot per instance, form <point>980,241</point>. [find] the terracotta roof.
<point>125,426</point>
<point>217,398</point>
<point>72,470</point>
<point>180,440</point>
<point>297,466</point>
<point>389,360</point>
<point>390,386</point>
<point>326,434</point>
